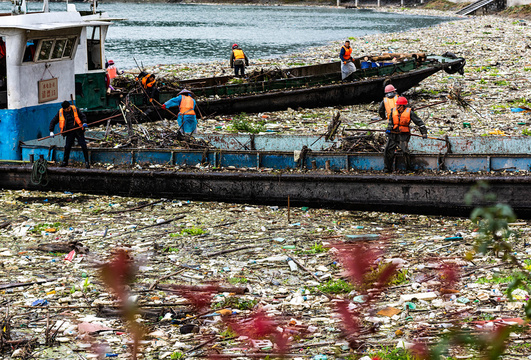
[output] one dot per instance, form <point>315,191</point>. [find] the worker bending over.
<point>148,82</point>
<point>69,117</point>
<point>388,103</point>
<point>238,61</point>
<point>186,119</point>
<point>347,63</point>
<point>398,133</point>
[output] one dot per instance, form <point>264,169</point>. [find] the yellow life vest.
<point>390,104</point>
<point>238,54</point>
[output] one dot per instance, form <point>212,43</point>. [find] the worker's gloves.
<point>85,126</point>
<point>150,100</point>
<point>424,136</point>
<point>163,106</point>
<point>387,132</point>
<point>52,134</point>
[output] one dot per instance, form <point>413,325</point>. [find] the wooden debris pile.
<point>155,138</point>
<point>369,142</point>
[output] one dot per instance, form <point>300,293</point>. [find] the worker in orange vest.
<point>398,133</point>
<point>347,63</point>
<point>112,72</point>
<point>238,61</point>
<point>389,101</point>
<point>69,117</point>
<point>186,119</point>
<point>149,84</point>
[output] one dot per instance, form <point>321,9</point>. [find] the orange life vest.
<point>186,107</point>
<point>401,122</point>
<point>238,54</point>
<point>147,84</point>
<point>390,104</point>
<point>62,120</point>
<point>347,53</point>
<point>111,70</point>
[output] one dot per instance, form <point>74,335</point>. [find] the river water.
<point>168,33</point>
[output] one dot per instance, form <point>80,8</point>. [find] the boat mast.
<point>94,5</point>
<point>46,6</point>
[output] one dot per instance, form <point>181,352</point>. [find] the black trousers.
<point>70,137</point>
<point>239,69</point>
<point>394,140</point>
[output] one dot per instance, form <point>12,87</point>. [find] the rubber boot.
<point>407,159</point>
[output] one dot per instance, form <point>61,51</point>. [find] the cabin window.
<point>58,49</point>
<point>29,52</point>
<point>69,47</point>
<point>53,49</point>
<point>94,50</point>
<point>45,50</point>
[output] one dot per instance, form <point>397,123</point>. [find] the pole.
<point>414,109</point>
<point>171,113</point>
<point>77,128</point>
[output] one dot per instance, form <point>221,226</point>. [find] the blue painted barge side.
<point>18,125</point>
<point>468,154</point>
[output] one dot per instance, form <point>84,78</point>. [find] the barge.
<point>300,87</point>
<point>277,169</point>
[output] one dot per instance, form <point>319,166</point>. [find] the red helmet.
<point>389,88</point>
<point>234,46</point>
<point>401,101</point>
<point>111,62</point>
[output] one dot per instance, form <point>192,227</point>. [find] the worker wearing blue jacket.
<point>186,119</point>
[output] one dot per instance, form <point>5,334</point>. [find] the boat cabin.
<point>44,58</point>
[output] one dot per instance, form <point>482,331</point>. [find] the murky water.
<point>164,33</point>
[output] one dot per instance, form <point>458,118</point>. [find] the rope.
<point>39,172</point>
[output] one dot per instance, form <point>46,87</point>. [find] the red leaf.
<point>349,318</point>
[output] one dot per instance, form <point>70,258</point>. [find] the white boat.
<point>49,57</point>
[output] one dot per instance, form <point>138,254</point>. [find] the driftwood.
<point>203,288</point>
<point>133,209</point>
<point>65,247</point>
<point>231,250</point>
<point>296,261</point>
<point>14,285</point>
